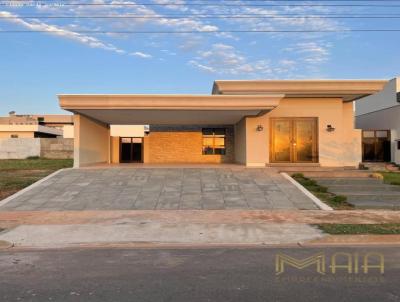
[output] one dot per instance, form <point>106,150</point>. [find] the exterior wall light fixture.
<point>329,128</point>
<point>260,128</point>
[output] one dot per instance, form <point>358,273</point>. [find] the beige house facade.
<point>254,123</point>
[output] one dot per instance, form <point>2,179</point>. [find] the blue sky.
<point>35,67</point>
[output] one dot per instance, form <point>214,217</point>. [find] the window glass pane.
<point>220,151</point>
<point>219,141</point>
<point>125,139</point>
<point>208,141</point>
<point>368,134</point>
<point>219,131</point>
<point>207,131</point>
<point>381,134</point>
<point>208,150</point>
<point>214,141</point>
<point>137,140</point>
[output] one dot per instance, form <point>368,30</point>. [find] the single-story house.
<point>255,123</point>
<point>378,116</point>
<point>36,126</point>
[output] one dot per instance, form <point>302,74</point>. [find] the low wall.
<point>20,148</point>
<point>57,147</point>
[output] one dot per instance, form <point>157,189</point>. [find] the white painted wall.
<point>380,100</point>
<point>381,111</point>
<point>19,148</point>
<point>127,130</point>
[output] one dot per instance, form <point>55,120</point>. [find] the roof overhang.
<point>169,109</point>
<point>30,128</point>
<point>348,90</point>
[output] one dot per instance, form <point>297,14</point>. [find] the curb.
<point>354,240</point>
<point>5,245</point>
<point>328,241</point>
<point>157,245</point>
<point>323,206</point>
<point>28,188</point>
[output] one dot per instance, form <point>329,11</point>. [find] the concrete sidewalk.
<point>60,236</point>
<point>183,228</point>
<point>16,218</point>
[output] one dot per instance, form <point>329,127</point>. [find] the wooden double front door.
<point>294,140</point>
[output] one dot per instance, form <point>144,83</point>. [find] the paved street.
<point>190,275</point>
<point>163,188</point>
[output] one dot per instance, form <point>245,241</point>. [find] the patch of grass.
<point>359,229</point>
<point>391,178</point>
<point>16,174</point>
<point>335,201</point>
<point>35,164</point>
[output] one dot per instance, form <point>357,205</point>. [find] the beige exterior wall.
<point>91,142</point>
<point>115,149</point>
<point>341,147</point>
<point>68,131</point>
<point>240,142</point>
<point>21,134</point>
<point>127,130</point>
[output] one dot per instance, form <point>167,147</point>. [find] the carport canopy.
<point>169,109</point>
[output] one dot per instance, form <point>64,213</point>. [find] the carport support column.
<point>91,141</point>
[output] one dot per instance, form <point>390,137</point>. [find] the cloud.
<point>68,34</point>
<point>141,55</point>
<point>226,59</point>
<point>313,52</point>
<point>58,31</point>
<point>220,53</point>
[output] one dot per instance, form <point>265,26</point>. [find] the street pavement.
<point>190,275</point>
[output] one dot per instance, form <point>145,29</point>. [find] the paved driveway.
<point>162,188</point>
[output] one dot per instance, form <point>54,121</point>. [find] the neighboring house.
<point>28,131</point>
<point>256,123</point>
<point>36,126</point>
<point>378,116</point>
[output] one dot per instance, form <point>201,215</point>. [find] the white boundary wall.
<point>19,148</point>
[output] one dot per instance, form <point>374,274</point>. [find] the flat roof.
<point>348,90</point>
<point>169,109</point>
<point>164,102</point>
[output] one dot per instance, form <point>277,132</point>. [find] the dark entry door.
<point>131,149</point>
<point>376,145</point>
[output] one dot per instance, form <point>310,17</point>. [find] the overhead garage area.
<point>184,117</point>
